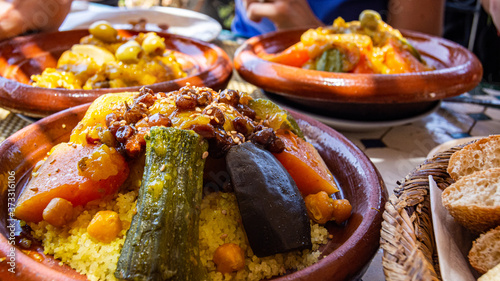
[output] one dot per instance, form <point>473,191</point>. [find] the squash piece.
<point>73,172</point>
<point>305,165</point>
<point>97,112</point>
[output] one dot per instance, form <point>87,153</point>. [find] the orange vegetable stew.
<point>365,46</point>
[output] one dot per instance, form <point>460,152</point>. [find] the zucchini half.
<point>162,241</point>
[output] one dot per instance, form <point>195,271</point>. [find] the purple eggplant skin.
<point>272,209</point>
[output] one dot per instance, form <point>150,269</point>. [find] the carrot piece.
<point>73,172</point>
<point>305,165</point>
<point>295,55</point>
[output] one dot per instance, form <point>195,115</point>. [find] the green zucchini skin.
<point>272,209</point>
<point>162,241</point>
<point>331,60</point>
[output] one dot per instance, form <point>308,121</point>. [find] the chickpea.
<point>103,30</point>
<point>58,212</point>
<point>129,52</point>
<point>154,45</point>
<point>105,226</point>
<point>341,210</point>
<point>319,207</point>
<point>229,257</point>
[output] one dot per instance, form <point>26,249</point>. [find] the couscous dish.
<point>135,194</point>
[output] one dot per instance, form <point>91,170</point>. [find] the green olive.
<point>153,44</point>
<point>129,52</point>
<point>370,19</point>
<point>104,31</point>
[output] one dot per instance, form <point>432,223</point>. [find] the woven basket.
<point>407,237</point>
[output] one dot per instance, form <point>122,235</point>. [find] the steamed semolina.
<point>73,246</point>
<point>220,223</point>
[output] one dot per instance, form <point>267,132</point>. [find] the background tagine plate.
<point>22,57</point>
<point>347,255</point>
<point>361,97</point>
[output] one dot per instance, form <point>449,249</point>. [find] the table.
<point>395,151</point>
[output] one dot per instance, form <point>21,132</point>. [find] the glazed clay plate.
<point>375,97</point>
<point>22,57</point>
<point>179,21</point>
<point>347,255</point>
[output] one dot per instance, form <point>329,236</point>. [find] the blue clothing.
<point>326,10</point>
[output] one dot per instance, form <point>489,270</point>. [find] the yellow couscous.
<point>220,223</point>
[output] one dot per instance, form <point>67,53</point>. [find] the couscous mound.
<point>220,223</point>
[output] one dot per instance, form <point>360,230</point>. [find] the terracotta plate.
<point>347,254</point>
<point>22,57</point>
<point>361,96</point>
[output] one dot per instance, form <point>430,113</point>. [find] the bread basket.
<point>407,237</point>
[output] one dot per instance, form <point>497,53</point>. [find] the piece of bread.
<point>474,200</point>
<point>480,155</point>
<point>485,252</point>
<point>492,274</point>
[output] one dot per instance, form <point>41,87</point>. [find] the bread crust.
<point>485,252</point>
<point>479,155</point>
<point>474,200</point>
<point>491,275</point>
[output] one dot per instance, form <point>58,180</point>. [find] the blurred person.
<point>487,43</point>
<point>492,7</point>
<point>254,17</point>
<point>20,16</point>
<point>471,23</point>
